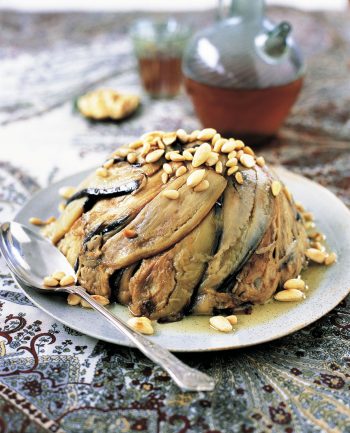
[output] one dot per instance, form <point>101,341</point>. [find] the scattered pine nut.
<point>174,156</point>
<point>220,323</point>
<point>164,178</point>
<point>129,233</point>
<point>169,138</point>
<point>202,154</point>
<point>100,299</point>
<point>195,177</point>
<point>172,194</point>
<point>67,280</point>
<point>232,154</point>
<point>218,167</point>
<point>36,221</point>
<point>202,186</point>
<point>290,295</point>
<point>58,275</point>
<point>182,135</point>
<point>206,134</point>
<point>216,137</point>
<point>146,147</point>
<point>167,168</point>
<point>180,171</point>
<point>247,160</point>
<point>248,150</point>
<point>101,172</point>
<point>276,187</point>
<point>50,220</point>
<point>330,259</point>
<point>228,146</point>
<point>109,163</point>
<point>123,152</point>
<point>136,144</point>
<point>315,255</point>
<point>239,144</point>
<point>212,159</point>
<point>67,192</point>
<point>294,283</point>
<point>141,324</point>
<point>194,135</point>
<point>232,162</point>
<point>50,282</point>
<point>308,216</point>
<point>232,319</point>
<point>154,156</point>
<point>187,155</point>
<point>218,144</point>
<point>131,158</point>
<point>73,299</point>
<point>232,170</point>
<point>260,161</point>
<point>239,177</point>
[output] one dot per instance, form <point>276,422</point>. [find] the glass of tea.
<point>159,46</point>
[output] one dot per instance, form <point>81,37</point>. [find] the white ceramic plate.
<point>328,285</point>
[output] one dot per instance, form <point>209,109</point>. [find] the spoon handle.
<point>187,378</point>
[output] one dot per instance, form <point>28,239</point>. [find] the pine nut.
<point>248,150</point>
<point>299,206</point>
<point>182,135</point>
<point>164,178</point>
<point>239,144</point>
<point>276,187</point>
<point>309,225</point>
<point>100,299</point>
<point>73,299</point>
<point>228,147</point>
<point>315,255</point>
<point>180,171</point>
<point>218,144</point>
<point>218,167</point>
<point>172,194</point>
<point>50,220</point>
<point>154,156</point>
<point>206,134</point>
<point>232,162</point>
<point>50,282</point>
<point>187,155</point>
<point>101,172</point>
<point>330,259</point>
<point>67,280</point>
<point>123,152</point>
<point>146,147</point>
<point>194,135</point>
<point>212,159</point>
<point>67,192</point>
<point>239,177</point>
<point>160,144</point>
<point>232,170</point>
<point>58,275</point>
<point>201,155</point>
<point>260,161</point>
<point>167,168</point>
<point>141,324</point>
<point>135,144</point>
<point>290,295</point>
<point>232,154</point>
<point>294,283</point>
<point>287,193</point>
<point>318,246</point>
<point>232,319</point>
<point>216,137</point>
<point>239,154</point>
<point>129,233</point>
<point>169,138</point>
<point>131,158</point>
<point>109,163</point>
<point>308,216</point>
<point>174,156</point>
<point>36,221</point>
<point>247,160</point>
<point>201,186</point>
<point>220,323</point>
<point>195,178</point>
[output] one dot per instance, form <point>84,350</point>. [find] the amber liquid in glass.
<point>250,114</point>
<point>161,76</point>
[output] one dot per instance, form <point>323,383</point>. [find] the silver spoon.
<point>31,257</point>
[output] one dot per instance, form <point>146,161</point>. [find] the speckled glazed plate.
<point>328,285</point>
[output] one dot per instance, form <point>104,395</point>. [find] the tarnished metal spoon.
<point>31,257</point>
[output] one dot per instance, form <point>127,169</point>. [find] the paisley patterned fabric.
<point>53,379</point>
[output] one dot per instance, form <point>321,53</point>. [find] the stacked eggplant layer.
<point>206,252</point>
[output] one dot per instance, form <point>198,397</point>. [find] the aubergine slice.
<point>163,222</point>
<point>246,216</point>
<point>279,255</point>
<point>163,285</point>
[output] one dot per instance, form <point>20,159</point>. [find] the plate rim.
<point>281,172</point>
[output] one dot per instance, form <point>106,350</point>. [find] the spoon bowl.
<point>31,257</point>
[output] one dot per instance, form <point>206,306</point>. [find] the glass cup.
<point>159,46</point>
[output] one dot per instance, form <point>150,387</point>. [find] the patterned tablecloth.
<point>55,379</point>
